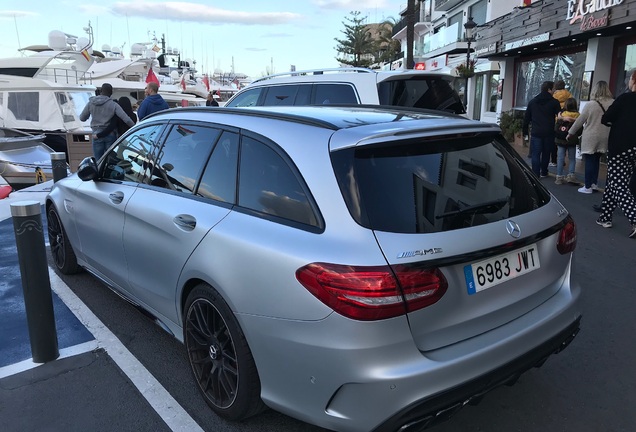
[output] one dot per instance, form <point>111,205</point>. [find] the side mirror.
<point>87,169</point>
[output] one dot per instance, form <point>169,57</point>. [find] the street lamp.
<point>469,34</point>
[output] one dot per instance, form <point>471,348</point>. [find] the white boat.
<point>128,77</point>
<point>24,158</point>
<point>42,92</point>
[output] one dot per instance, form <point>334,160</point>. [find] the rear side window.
<point>268,185</point>
<point>334,94</point>
<point>426,92</point>
<point>219,178</point>
<point>425,187</point>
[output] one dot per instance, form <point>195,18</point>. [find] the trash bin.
<point>79,145</point>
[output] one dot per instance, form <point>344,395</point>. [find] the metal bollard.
<point>36,286</point>
<point>58,163</point>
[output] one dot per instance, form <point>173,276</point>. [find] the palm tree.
<point>387,48</point>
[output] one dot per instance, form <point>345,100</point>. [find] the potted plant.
<point>511,124</point>
<point>466,70</point>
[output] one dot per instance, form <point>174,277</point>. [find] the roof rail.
<point>316,72</point>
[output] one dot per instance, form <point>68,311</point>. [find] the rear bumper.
<point>437,408</point>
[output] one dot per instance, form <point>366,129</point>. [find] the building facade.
<point>520,44</point>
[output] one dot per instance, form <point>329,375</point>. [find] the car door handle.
<point>185,222</point>
<point>116,197</point>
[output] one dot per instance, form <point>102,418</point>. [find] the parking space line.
<point>157,396</point>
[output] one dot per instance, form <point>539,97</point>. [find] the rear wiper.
<point>487,207</point>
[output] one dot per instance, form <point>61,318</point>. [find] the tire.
<point>219,356</point>
<point>61,249</point>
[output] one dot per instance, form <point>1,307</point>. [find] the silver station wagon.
<point>359,268</point>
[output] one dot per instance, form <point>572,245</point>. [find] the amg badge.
<point>420,252</point>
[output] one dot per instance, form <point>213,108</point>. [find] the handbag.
<point>601,105</point>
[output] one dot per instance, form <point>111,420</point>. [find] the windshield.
<point>422,187</point>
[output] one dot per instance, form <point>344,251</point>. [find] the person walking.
<point>101,110</point>
<point>594,134</point>
<point>118,124</point>
<point>153,101</point>
<point>562,95</point>
<point>622,157</point>
<point>211,101</point>
<point>566,142</point>
<point>540,119</point>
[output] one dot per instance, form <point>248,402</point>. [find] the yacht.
<point>128,76</point>
<point>43,92</point>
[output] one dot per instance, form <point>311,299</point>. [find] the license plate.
<point>488,273</point>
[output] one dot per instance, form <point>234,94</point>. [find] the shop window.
<point>530,75</point>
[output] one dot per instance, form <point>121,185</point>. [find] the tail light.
<point>567,237</point>
<point>373,293</point>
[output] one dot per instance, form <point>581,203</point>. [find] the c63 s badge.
<point>420,252</point>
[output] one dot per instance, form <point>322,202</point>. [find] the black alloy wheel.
<point>61,249</point>
<point>219,356</point>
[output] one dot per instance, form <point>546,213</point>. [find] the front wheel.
<point>61,249</point>
<point>220,358</point>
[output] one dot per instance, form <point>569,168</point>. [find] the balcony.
<point>446,38</point>
<point>446,5</point>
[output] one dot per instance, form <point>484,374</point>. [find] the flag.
<point>206,82</point>
<point>86,55</point>
<point>152,77</point>
<point>182,84</point>
<point>156,48</point>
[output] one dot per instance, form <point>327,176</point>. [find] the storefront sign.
<point>486,49</point>
<point>591,22</point>
<point>529,41</point>
<point>579,9</point>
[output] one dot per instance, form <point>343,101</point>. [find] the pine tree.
<point>357,47</point>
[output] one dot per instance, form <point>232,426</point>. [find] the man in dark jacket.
<point>541,114</point>
<point>101,109</point>
<point>153,102</point>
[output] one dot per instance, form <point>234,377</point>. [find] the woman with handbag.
<point>621,158</point>
<point>594,135</point>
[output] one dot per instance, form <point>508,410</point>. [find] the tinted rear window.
<point>421,92</point>
<point>423,187</point>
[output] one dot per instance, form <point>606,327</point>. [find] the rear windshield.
<point>434,186</point>
<point>421,92</point>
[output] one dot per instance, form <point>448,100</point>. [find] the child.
<point>564,121</point>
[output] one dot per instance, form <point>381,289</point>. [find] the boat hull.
<point>24,158</point>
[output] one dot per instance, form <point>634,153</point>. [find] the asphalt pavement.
<point>95,384</point>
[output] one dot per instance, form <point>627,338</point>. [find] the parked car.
<point>358,268</point>
<point>405,88</point>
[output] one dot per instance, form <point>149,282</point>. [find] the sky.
<point>253,37</point>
